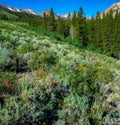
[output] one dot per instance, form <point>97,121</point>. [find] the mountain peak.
<point>114,7</point>
<point>30,11</point>
<point>10,8</point>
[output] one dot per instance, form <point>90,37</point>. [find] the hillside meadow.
<point>47,81</point>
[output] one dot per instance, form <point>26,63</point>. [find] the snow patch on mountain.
<point>30,11</point>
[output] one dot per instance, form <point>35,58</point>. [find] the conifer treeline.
<point>100,32</point>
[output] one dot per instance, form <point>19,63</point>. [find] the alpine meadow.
<point>59,69</point>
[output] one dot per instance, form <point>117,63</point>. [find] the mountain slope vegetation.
<point>100,33</point>
<point>48,81</point>
<point>59,71</point>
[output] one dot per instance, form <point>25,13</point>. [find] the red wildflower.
<point>6,82</point>
<point>10,85</point>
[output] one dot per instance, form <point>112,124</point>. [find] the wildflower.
<point>67,104</point>
<point>10,85</point>
<point>6,82</point>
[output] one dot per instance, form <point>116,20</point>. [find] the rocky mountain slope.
<point>30,11</point>
<point>114,7</point>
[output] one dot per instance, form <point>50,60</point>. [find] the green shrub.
<point>112,118</point>
<point>6,62</point>
<point>4,56</point>
<point>44,58</point>
<point>33,104</point>
<point>75,110</point>
<point>84,82</point>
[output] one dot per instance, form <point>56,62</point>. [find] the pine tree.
<point>60,26</point>
<point>81,27</point>
<point>109,31</point>
<point>116,36</point>
<point>74,19</point>
<point>52,22</point>
<point>67,23</point>
<point>98,30</point>
<point>69,16</point>
<point>44,21</point>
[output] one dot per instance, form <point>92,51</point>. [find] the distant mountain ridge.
<point>30,11</point>
<point>19,10</point>
<point>10,8</point>
<point>114,7</point>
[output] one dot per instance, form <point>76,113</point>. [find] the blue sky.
<point>61,6</point>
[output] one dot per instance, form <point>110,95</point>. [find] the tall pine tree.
<point>52,22</point>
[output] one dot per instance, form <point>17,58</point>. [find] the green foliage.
<point>59,82</point>
<point>6,61</point>
<point>38,104</point>
<point>7,16</point>
<point>113,117</point>
<point>75,101</point>
<point>75,110</point>
<point>25,48</point>
<point>97,110</point>
<point>84,81</point>
<point>100,33</point>
<point>51,24</point>
<point>45,58</point>
<point>4,55</point>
